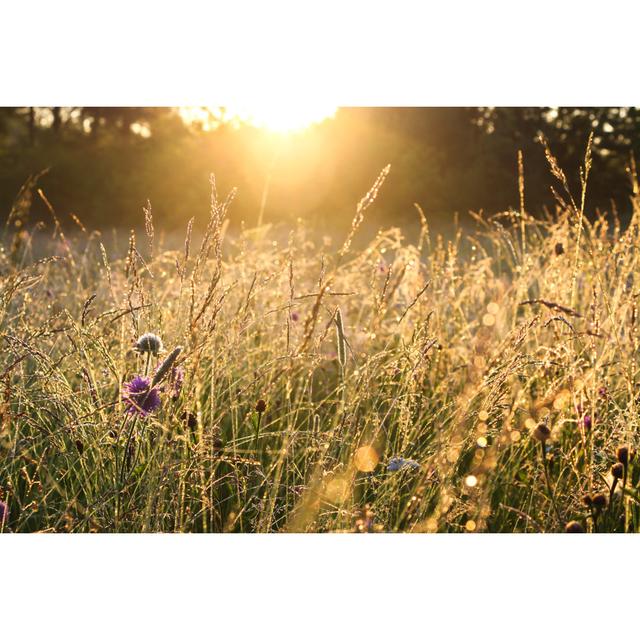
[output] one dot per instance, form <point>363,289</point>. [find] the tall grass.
<point>311,366</point>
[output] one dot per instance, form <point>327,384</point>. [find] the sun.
<point>287,118</point>
<point>276,118</point>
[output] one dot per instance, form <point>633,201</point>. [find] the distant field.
<point>486,382</point>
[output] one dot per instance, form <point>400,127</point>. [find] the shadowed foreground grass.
<point>481,384</point>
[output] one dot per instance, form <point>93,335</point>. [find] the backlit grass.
<point>399,387</point>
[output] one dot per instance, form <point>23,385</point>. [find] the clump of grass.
<point>437,386</point>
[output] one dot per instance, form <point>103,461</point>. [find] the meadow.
<point>248,382</point>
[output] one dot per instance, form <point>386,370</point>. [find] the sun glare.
<point>284,118</point>
<point>277,118</point>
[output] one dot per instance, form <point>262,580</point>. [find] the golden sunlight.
<point>287,118</point>
<point>277,118</point>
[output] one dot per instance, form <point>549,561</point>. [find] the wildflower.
<point>541,433</point>
<point>295,316</point>
<point>585,418</point>
<point>599,501</point>
<point>559,248</point>
<point>149,343</point>
<point>397,463</point>
<point>4,513</point>
<point>140,396</point>
<point>587,500</point>
<point>176,380</point>
<point>261,406</point>
<point>574,527</point>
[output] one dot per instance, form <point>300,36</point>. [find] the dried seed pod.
<point>541,433</point>
<point>617,470</point>
<point>190,419</point>
<point>149,343</point>
<point>622,454</point>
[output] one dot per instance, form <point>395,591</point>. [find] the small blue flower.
<point>397,463</point>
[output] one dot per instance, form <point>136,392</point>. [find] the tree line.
<point>103,163</point>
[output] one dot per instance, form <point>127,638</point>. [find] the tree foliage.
<point>106,162</point>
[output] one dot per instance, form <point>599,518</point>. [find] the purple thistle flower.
<point>4,513</point>
<point>295,316</point>
<point>140,396</point>
<point>585,418</point>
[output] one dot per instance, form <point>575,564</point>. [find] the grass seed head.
<point>166,366</point>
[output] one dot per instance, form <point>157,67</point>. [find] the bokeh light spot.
<point>488,320</point>
<point>366,458</point>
